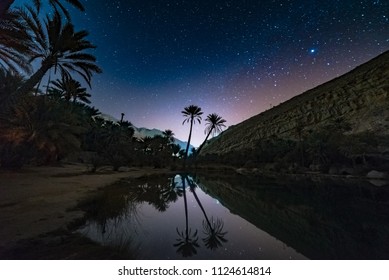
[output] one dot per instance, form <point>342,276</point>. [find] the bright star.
<point>312,50</point>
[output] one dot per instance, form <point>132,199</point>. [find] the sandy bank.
<point>38,200</point>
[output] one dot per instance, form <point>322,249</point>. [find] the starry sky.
<point>235,58</point>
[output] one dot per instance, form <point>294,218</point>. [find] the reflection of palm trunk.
<point>200,205</point>
<point>186,208</point>
<point>214,231</point>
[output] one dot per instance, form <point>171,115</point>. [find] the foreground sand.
<point>39,200</point>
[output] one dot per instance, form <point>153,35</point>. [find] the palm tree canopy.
<point>215,123</point>
<point>169,135</point>
<point>70,88</point>
<point>58,4</point>
<point>59,46</point>
<point>192,112</point>
<point>5,4</point>
<point>15,42</point>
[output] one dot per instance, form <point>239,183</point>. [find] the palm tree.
<point>44,125</point>
<point>146,144</point>
<point>192,114</point>
<point>6,4</point>
<point>181,153</point>
<point>215,124</point>
<point>71,89</point>
<point>15,42</point>
<point>59,47</point>
<point>175,149</point>
<point>169,135</point>
<point>10,81</point>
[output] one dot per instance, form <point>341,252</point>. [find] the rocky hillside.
<point>360,97</point>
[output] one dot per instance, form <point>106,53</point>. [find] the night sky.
<point>235,58</point>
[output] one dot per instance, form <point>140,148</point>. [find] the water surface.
<point>237,217</point>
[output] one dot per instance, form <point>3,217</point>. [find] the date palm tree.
<point>71,89</point>
<point>15,42</point>
<point>192,114</point>
<point>10,81</point>
<point>215,124</point>
<point>58,46</point>
<point>45,126</point>
<point>169,136</point>
<point>6,4</point>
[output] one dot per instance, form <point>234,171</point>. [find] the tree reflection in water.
<point>118,205</point>
<point>213,230</point>
<point>214,234</point>
<point>186,242</point>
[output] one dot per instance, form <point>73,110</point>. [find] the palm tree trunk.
<point>201,207</point>
<point>4,6</point>
<point>206,138</point>
<point>33,80</point>
<point>188,144</point>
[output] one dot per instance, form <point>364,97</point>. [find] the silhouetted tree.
<point>215,124</point>
<point>59,47</point>
<point>192,114</point>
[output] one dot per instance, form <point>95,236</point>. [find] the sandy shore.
<point>39,200</point>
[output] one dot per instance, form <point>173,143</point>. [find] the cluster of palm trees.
<point>44,112</point>
<point>34,47</point>
<point>32,121</point>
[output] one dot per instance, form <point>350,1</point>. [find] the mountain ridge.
<point>360,96</point>
<point>141,132</point>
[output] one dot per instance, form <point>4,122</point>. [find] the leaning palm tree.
<point>215,124</point>
<point>6,4</point>
<point>192,114</point>
<point>60,47</point>
<point>71,89</point>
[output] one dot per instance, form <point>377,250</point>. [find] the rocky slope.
<point>360,97</point>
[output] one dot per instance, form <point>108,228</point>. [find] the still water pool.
<point>208,217</point>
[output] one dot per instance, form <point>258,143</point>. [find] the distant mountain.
<point>144,132</point>
<point>108,118</point>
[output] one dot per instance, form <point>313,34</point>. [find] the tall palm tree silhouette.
<point>187,242</point>
<point>192,114</point>
<point>213,230</point>
<point>215,124</point>
<point>59,46</point>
